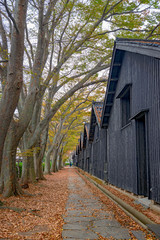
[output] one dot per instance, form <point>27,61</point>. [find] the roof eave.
<point>110,79</point>
<point>97,120</point>
<point>144,50</point>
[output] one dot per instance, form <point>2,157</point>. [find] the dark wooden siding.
<point>103,154</point>
<point>144,74</point>
<point>84,159</point>
<point>88,156</point>
<point>98,153</point>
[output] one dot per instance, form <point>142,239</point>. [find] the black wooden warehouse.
<point>86,147</point>
<point>131,114</point>
<point>97,138</point>
<point>91,156</point>
<point>125,143</point>
<point>77,156</point>
<point>81,153</point>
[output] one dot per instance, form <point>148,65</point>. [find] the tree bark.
<point>54,161</point>
<point>9,180</point>
<point>47,169</point>
<point>28,171</point>
<point>38,159</point>
<point>13,86</point>
<point>48,157</point>
<point>60,159</point>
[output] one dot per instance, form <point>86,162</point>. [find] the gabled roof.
<point>86,134</point>
<point>96,114</point>
<point>144,47</point>
<point>81,141</point>
<point>87,126</point>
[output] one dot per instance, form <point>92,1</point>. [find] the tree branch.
<point>151,33</point>
<point>10,15</point>
<point>95,82</point>
<point>123,29</point>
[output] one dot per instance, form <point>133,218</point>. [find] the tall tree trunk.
<point>47,159</point>
<point>60,159</point>
<point>47,169</point>
<point>9,180</point>
<point>13,86</point>
<point>43,144</point>
<point>28,171</point>
<point>14,135</point>
<point>54,161</point>
<point>38,159</point>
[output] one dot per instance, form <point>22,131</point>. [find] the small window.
<point>125,97</point>
<point>126,107</point>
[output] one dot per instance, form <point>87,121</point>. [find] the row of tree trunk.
<point>32,168</point>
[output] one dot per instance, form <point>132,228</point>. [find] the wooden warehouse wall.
<point>123,169</point>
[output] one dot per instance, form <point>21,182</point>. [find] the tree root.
<point>27,194</point>
<point>13,191</point>
<point>43,178</point>
<point>19,210</point>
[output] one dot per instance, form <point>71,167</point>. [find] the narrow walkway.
<point>87,217</point>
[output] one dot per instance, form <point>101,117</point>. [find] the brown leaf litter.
<point>38,216</point>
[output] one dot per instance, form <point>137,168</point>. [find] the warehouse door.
<point>142,162</point>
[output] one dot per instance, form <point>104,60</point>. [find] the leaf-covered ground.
<point>38,216</point>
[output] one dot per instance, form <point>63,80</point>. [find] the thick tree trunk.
<point>54,166</point>
<point>9,180</point>
<point>40,175</point>
<point>13,86</point>
<point>28,172</point>
<point>44,139</point>
<point>60,162</point>
<point>14,135</point>
<point>38,159</point>
<point>54,161</point>
<point>47,159</point>
<point>47,169</point>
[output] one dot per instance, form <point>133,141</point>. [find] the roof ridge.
<point>136,39</point>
